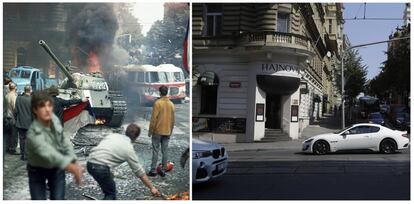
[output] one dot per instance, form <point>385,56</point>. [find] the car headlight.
<point>197,155</point>
<point>309,140</point>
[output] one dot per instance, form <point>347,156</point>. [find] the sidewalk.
<point>326,124</point>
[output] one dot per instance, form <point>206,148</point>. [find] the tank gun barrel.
<point>58,62</point>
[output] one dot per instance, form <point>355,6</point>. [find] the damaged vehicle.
<point>209,160</point>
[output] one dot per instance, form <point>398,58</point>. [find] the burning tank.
<point>109,106</point>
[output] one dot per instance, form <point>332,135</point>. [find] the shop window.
<point>21,56</point>
<point>209,87</point>
<point>283,21</point>
<point>212,19</point>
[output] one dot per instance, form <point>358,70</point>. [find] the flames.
<point>100,121</point>
<point>93,62</point>
<point>178,196</point>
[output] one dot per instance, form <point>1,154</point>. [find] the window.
<point>131,76</point>
<point>178,77</point>
<point>209,88</point>
<point>364,129</point>
<point>157,77</point>
<point>283,22</point>
<point>330,26</point>
<point>21,56</point>
<point>212,19</point>
<point>140,77</point>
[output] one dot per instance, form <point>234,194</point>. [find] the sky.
<point>366,31</point>
<point>148,13</point>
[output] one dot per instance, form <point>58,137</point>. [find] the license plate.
<point>220,167</point>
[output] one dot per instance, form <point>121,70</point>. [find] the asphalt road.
<point>15,181</point>
<point>287,174</point>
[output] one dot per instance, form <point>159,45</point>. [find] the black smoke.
<point>92,27</point>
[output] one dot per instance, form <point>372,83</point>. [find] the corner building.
<point>263,71</point>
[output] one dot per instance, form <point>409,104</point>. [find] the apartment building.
<point>263,71</point>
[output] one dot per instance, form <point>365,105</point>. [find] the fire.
<point>99,121</point>
<point>93,62</point>
<point>178,196</point>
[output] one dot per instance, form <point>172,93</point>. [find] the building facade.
<point>26,24</point>
<point>263,71</point>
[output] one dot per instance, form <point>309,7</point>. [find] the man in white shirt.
<point>12,137</point>
<point>112,151</point>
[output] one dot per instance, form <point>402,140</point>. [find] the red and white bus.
<point>144,81</point>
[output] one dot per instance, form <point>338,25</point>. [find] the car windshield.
<point>339,131</point>
<point>20,73</point>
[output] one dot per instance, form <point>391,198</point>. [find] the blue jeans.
<point>157,141</point>
<point>102,175</point>
<point>37,183</point>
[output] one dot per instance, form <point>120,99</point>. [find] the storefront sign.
<point>294,113</point>
<point>277,67</point>
<point>259,112</point>
<point>235,84</point>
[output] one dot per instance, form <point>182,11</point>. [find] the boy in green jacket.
<point>49,152</point>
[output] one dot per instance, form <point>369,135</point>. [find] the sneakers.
<point>161,173</point>
<point>152,173</point>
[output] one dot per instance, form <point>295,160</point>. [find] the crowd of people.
<point>36,121</point>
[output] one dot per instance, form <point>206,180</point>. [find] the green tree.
<point>164,41</point>
<point>355,75</point>
<point>130,35</point>
<point>394,78</point>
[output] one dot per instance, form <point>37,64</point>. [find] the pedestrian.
<point>60,104</point>
<point>112,151</point>
<point>24,118</point>
<point>6,125</point>
<point>12,131</point>
<point>49,152</point>
<point>160,129</point>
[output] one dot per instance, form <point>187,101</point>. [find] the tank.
<point>108,106</point>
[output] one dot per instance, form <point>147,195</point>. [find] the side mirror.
<point>345,133</point>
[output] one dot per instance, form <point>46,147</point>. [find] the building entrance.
<point>273,111</point>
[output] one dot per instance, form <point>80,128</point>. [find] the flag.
<point>185,48</point>
<point>77,117</point>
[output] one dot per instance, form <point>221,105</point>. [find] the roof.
<point>151,68</point>
<point>369,124</point>
<point>26,68</point>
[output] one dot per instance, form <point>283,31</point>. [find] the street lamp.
<point>342,69</point>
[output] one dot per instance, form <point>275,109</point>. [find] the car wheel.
<point>388,146</point>
<point>320,147</point>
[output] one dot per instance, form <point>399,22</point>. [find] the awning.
<point>208,79</point>
<point>278,84</point>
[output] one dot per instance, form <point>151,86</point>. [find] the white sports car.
<point>359,136</point>
<point>209,160</point>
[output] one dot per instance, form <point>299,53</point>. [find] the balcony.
<point>275,39</point>
<point>255,39</point>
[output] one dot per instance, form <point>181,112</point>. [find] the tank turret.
<point>59,63</point>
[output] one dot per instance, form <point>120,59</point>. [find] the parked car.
<point>394,110</point>
<point>384,108</point>
<point>376,118</point>
<point>402,121</point>
<point>209,160</point>
<point>356,137</point>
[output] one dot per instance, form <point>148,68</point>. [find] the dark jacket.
<point>24,115</point>
<point>60,104</point>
